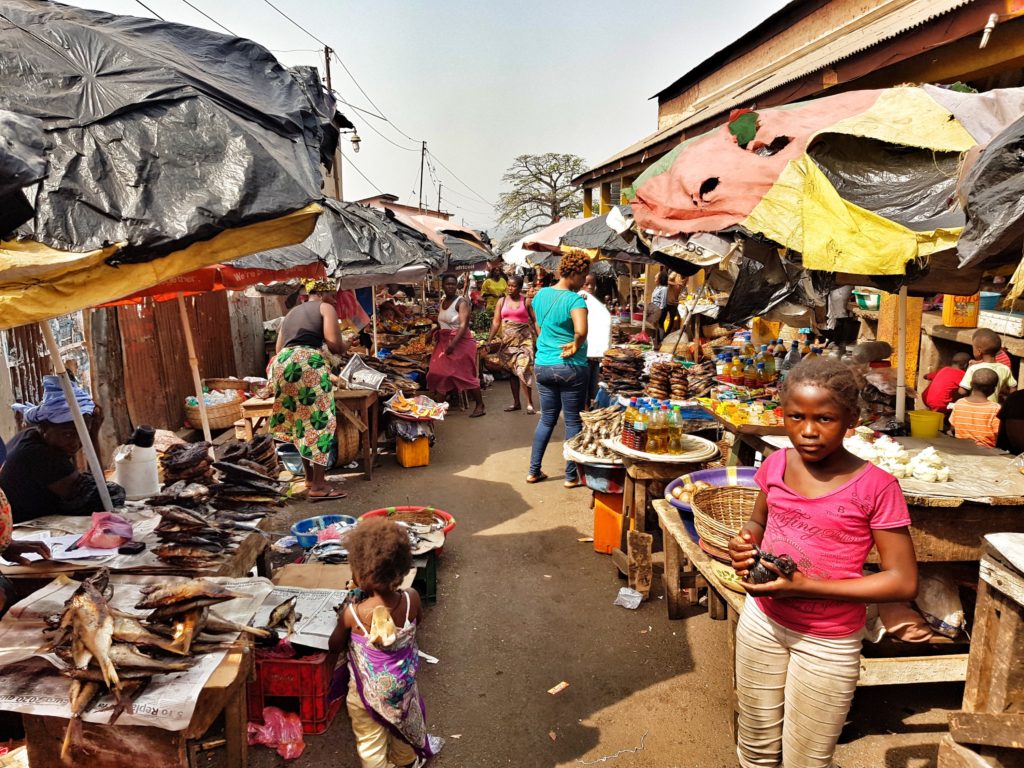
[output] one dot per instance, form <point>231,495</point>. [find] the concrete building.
<point>390,203</point>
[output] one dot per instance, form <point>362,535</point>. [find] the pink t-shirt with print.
<point>829,538</point>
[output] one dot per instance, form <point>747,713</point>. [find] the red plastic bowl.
<point>389,511</point>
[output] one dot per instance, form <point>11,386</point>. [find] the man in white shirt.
<point>599,332</point>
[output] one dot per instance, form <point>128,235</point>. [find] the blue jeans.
<point>562,387</point>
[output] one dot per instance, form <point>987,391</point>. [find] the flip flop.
<point>573,484</point>
<point>477,414</point>
<point>531,479</point>
<point>530,411</point>
<point>332,495</point>
<point>513,408</point>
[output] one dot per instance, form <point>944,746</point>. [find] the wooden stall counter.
<point>357,406</point>
<point>123,746</point>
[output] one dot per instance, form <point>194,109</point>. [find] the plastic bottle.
<point>770,370</point>
<point>748,346</point>
<point>627,423</point>
<point>666,426</point>
<point>654,431</point>
<point>792,358</point>
<point>675,431</point>
<point>762,376</point>
<point>749,374</point>
<point>720,368</point>
<point>736,374</point>
<point>640,431</point>
<point>780,353</point>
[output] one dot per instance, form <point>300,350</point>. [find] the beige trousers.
<point>793,691</point>
<point>376,745</point>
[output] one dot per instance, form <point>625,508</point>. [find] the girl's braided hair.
<point>841,382</point>
<point>573,263</point>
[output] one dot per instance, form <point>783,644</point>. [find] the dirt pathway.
<point>523,605</point>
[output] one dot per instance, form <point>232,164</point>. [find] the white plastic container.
<point>135,470</point>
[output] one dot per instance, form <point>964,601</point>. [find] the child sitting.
<point>987,344</point>
<point>945,382</point>
<point>976,417</point>
<point>384,704</point>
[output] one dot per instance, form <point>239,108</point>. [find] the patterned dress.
<point>305,413</point>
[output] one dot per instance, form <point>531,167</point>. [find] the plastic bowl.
<point>389,511</point>
<point>989,300</point>
<point>716,478</point>
<point>305,530</point>
<point>926,424</point>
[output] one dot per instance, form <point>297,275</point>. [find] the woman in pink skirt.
<point>453,366</point>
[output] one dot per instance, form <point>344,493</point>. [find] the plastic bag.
<point>108,531</point>
<point>938,599</point>
<point>281,731</point>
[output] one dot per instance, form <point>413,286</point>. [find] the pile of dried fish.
<point>190,462</point>
<point>668,381</point>
<point>101,645</point>
<point>602,424</point>
<point>621,368</point>
<point>243,486</point>
<point>701,378</point>
<point>260,453</point>
<point>189,539</point>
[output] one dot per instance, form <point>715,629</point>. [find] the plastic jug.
<point>135,467</point>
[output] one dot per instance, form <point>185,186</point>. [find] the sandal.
<point>573,484</point>
<point>536,478</point>
<point>331,494</point>
<point>477,414</point>
<point>513,408</point>
<point>530,411</point>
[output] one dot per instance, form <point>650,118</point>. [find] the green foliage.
<point>541,193</point>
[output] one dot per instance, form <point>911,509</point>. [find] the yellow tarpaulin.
<point>37,282</point>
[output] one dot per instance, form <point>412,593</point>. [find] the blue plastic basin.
<point>305,530</point>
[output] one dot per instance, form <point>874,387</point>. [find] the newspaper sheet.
<point>31,686</point>
<point>316,608</point>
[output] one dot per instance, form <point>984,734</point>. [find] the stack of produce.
<point>101,645</point>
<point>189,461</point>
<point>417,347</point>
<point>621,368</point>
<point>668,381</point>
<point>700,379</point>
<point>604,424</point>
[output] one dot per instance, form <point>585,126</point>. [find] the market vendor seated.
<point>39,477</point>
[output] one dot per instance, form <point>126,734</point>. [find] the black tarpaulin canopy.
<point>22,163</point>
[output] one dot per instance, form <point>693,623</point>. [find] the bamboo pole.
<point>375,324</point>
<point>193,363</point>
<point>76,415</point>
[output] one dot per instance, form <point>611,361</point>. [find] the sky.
<point>480,81</point>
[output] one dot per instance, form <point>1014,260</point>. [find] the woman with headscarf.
<point>561,364</point>
<point>453,365</point>
<point>305,413</point>
<point>493,288</point>
<point>39,477</point>
<point>13,551</point>
<point>514,319</point>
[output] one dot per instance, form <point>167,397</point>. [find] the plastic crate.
<point>297,685</point>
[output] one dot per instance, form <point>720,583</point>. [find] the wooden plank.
<point>246,318</point>
<point>952,755</point>
<point>995,730</point>
<point>8,424</point>
<point>904,670</point>
<point>108,379</point>
<point>999,575</point>
<point>956,534</point>
<point>640,568</point>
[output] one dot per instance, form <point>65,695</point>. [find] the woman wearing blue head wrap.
<point>39,477</point>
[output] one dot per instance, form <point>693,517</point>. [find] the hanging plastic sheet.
<point>162,134</point>
<point>22,162</point>
<point>764,281</point>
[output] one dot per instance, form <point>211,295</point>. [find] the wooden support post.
<point>641,569</point>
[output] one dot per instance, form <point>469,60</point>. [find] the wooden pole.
<point>193,363</point>
<point>375,323</point>
<point>76,415</point>
<point>901,357</point>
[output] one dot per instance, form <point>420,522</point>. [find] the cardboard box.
<point>322,576</point>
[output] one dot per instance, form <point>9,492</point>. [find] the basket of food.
<point>240,385</point>
<point>719,513</point>
<point>222,410</point>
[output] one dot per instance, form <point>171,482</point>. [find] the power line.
<point>389,141</point>
<point>150,10</point>
<point>363,91</point>
<point>360,109</point>
<point>365,177</point>
<point>480,197</point>
<point>296,24</point>
<point>208,16</point>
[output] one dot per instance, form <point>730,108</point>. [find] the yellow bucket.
<point>925,424</point>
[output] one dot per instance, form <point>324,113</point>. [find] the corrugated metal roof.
<point>881,23</point>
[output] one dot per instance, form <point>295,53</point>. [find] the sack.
<point>938,599</point>
<point>108,531</point>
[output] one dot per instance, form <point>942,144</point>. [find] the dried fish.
<point>81,695</point>
<point>128,656</point>
<point>284,615</point>
<point>184,591</point>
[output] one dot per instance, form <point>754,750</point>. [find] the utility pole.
<point>337,150</point>
<point>439,185</point>
<point>423,160</point>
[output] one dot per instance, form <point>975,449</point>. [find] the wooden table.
<point>358,406</point>
<point>129,746</point>
<point>688,569</point>
<point>989,731</point>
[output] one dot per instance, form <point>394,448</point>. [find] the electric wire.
<point>208,16</point>
<point>480,197</point>
<point>150,10</point>
<point>365,177</point>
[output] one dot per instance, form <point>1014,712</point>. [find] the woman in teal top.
<point>560,367</point>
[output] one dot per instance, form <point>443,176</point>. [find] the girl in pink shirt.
<point>798,640</point>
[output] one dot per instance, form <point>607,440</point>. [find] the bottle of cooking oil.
<point>675,431</point>
<point>627,423</point>
<point>736,374</point>
<point>749,374</point>
<point>655,431</point>
<point>640,431</point>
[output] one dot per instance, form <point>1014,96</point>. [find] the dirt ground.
<point>523,605</point>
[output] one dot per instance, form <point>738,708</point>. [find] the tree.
<point>541,193</point>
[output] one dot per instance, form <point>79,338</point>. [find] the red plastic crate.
<point>295,685</point>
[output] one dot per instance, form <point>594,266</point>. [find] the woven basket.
<point>719,513</point>
<point>348,441</point>
<point>222,384</point>
<point>220,416</point>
